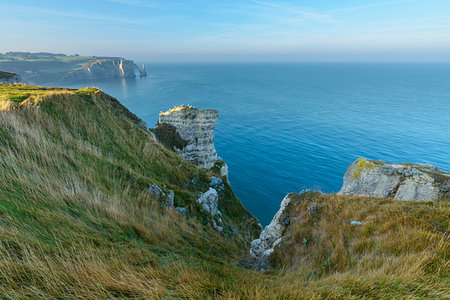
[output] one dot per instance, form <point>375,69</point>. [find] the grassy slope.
<point>77,222</point>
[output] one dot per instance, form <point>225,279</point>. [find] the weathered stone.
<point>155,190</point>
<point>195,129</point>
<point>166,198</point>
<point>262,248</point>
<point>216,183</point>
<point>399,181</point>
<point>209,201</point>
<point>224,171</point>
<point>182,210</point>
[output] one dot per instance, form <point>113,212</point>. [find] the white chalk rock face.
<point>209,201</point>
<point>270,237</point>
<point>196,129</point>
<point>399,181</point>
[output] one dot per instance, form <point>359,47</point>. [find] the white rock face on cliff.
<point>196,129</point>
<point>399,181</point>
<point>209,201</point>
<point>271,235</point>
<point>113,67</point>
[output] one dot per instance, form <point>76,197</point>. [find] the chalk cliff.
<point>399,181</point>
<point>114,67</point>
<point>190,133</point>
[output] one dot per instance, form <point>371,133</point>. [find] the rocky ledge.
<point>399,181</point>
<point>190,133</point>
<point>262,248</point>
<point>364,177</point>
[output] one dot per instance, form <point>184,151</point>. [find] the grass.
<point>77,222</point>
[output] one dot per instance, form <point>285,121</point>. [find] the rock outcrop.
<point>209,201</point>
<point>262,248</point>
<point>399,181</point>
<point>166,198</point>
<point>189,132</point>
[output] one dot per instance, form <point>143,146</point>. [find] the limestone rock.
<point>224,171</point>
<point>216,183</point>
<point>166,198</point>
<point>108,67</point>
<point>209,201</point>
<point>190,133</point>
<point>262,248</point>
<point>399,181</point>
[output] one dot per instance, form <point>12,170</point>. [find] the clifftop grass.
<point>77,222</point>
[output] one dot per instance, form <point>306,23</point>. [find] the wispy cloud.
<point>304,13</point>
<point>79,15</point>
<point>355,8</point>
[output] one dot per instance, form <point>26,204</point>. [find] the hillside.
<point>78,220</point>
<point>43,67</point>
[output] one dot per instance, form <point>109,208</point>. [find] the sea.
<point>289,127</point>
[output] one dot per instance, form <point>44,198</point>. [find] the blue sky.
<point>231,30</point>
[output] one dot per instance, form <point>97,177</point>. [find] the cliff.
<point>93,207</point>
<point>39,68</point>
<point>190,133</point>
<point>399,181</point>
<point>368,178</point>
<point>7,77</point>
<point>105,68</point>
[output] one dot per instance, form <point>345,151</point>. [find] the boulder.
<point>399,181</point>
<point>209,201</point>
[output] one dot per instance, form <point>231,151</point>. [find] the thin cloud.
<point>350,9</point>
<point>302,12</point>
<point>76,15</point>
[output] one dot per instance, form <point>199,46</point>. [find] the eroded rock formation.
<point>262,248</point>
<point>189,132</point>
<point>399,181</point>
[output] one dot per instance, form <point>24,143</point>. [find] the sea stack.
<point>190,133</point>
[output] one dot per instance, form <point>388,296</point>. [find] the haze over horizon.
<point>249,30</point>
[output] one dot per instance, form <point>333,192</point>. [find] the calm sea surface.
<point>288,127</point>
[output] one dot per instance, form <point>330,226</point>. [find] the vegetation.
<point>77,222</point>
<point>22,62</point>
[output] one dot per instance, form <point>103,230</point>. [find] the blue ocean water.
<point>288,127</point>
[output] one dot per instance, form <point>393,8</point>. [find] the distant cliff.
<point>189,132</point>
<point>44,68</point>
<point>114,67</point>
<point>7,77</point>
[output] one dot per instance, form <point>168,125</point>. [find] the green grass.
<point>77,222</point>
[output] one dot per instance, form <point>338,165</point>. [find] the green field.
<point>24,63</point>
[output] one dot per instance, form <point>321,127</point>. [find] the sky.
<point>231,30</point>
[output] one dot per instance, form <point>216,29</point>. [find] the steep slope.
<point>75,207</point>
<point>79,219</point>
